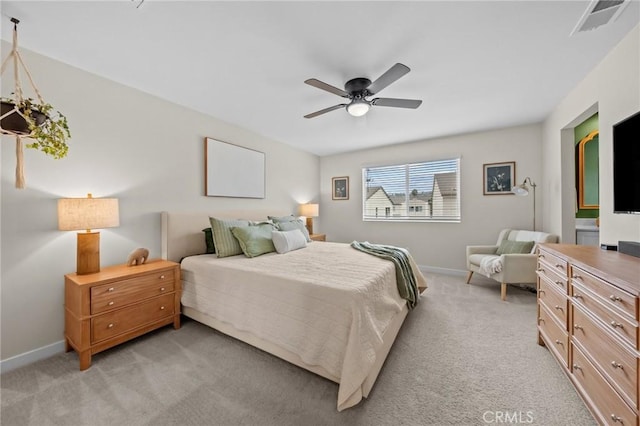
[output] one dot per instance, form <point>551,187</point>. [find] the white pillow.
<point>285,241</point>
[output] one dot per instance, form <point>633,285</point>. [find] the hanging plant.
<point>38,121</point>
<point>28,118</point>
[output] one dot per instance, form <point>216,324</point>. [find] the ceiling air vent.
<point>598,13</point>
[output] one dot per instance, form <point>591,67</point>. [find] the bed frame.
<point>182,236</point>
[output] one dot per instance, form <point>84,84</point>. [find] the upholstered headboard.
<point>182,231</point>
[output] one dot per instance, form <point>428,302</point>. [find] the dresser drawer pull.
<point>559,283</point>
<point>162,308</point>
<point>615,298</point>
<point>558,342</point>
<point>576,277</point>
<point>541,291</point>
<point>616,324</point>
<point>577,296</point>
<point>162,277</point>
<point>111,289</point>
<point>541,270</point>
<point>161,288</point>
<point>110,325</point>
<point>540,320</point>
<point>616,418</point>
<point>558,307</point>
<point>558,265</point>
<point>577,327</point>
<point>110,303</point>
<point>541,256</point>
<point>576,367</point>
<point>617,365</point>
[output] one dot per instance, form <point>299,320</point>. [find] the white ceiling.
<point>476,65</point>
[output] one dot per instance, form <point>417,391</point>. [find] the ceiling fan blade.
<point>397,103</point>
<point>323,111</point>
<point>392,74</point>
<point>324,86</point>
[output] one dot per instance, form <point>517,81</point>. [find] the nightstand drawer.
<point>123,320</point>
<point>114,295</point>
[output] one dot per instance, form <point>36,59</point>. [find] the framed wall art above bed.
<point>232,170</point>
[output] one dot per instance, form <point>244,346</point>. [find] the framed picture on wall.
<point>340,188</point>
<point>499,178</point>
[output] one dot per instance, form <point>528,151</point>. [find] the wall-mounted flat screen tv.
<point>626,165</point>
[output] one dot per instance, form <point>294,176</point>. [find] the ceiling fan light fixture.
<point>358,107</point>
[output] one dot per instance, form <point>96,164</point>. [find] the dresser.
<point>119,303</point>
<point>588,313</point>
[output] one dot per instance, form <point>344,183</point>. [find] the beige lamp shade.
<point>309,210</point>
<point>87,213</point>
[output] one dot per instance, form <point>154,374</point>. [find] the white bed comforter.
<point>328,303</point>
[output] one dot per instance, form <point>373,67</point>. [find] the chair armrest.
<point>519,268</point>
<point>481,250</point>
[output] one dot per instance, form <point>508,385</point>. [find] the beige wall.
<point>613,90</point>
<point>126,144</point>
<point>440,245</point>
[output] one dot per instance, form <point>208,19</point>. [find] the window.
<point>427,191</point>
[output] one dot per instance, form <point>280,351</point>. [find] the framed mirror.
<point>588,171</point>
<point>232,170</point>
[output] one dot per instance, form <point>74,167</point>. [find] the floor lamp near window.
<point>89,213</point>
<point>523,190</point>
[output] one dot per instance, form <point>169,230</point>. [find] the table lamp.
<point>87,213</point>
<point>309,211</point>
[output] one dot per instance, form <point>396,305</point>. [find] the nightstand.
<point>318,237</point>
<point>119,303</point>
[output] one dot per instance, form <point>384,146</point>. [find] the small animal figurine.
<point>138,257</point>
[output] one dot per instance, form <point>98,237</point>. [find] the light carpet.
<point>463,357</point>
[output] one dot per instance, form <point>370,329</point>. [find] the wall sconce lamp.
<point>523,190</point>
<point>309,211</point>
<point>87,213</point>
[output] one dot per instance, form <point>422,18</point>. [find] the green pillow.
<point>223,239</point>
<point>280,219</point>
<point>208,239</point>
<point>294,224</point>
<point>255,239</point>
<point>509,247</point>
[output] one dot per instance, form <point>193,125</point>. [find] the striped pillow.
<point>224,241</point>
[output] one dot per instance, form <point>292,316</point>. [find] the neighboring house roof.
<point>446,182</point>
<point>372,190</point>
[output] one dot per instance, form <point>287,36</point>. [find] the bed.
<point>327,308</point>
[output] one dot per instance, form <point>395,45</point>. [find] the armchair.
<point>503,262</point>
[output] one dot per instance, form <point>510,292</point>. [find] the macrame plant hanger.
<point>14,56</point>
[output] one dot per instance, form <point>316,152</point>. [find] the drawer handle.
<point>161,288</point>
<point>540,320</point>
<point>577,296</point>
<point>111,289</point>
<point>616,324</point>
<point>615,298</point>
<point>578,327</point>
<point>559,265</point>
<point>616,418</point>
<point>559,283</point>
<point>110,325</point>
<point>540,270</point>
<point>576,367</point>
<point>558,342</point>
<point>617,365</point>
<point>162,277</point>
<point>162,308</point>
<point>576,277</point>
<point>560,308</point>
<point>110,303</point>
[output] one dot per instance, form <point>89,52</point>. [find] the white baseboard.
<point>443,271</point>
<point>31,356</point>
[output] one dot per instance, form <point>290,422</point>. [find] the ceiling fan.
<point>359,89</point>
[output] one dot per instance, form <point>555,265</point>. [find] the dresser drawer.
<point>548,294</point>
<point>554,276</point>
<point>611,296</point>
<point>618,364</point>
<point>614,322</point>
<point>120,321</point>
<point>552,262</point>
<point>556,338</point>
<point>114,295</point>
<point>607,404</point>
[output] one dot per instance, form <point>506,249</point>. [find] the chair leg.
<point>503,291</point>
<point>469,276</point>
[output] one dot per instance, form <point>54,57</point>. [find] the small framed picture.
<point>340,188</point>
<point>499,178</point>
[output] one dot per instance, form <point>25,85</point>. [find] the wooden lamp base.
<point>88,259</point>
<point>310,225</point>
